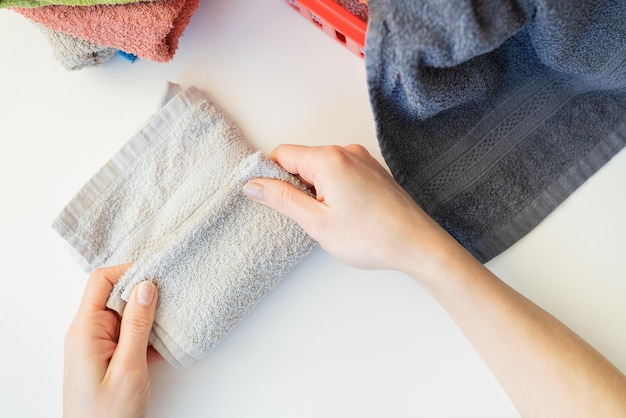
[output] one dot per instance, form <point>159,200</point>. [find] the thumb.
<point>286,199</point>
<point>136,324</point>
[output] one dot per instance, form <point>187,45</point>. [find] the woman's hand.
<point>106,358</point>
<point>361,215</point>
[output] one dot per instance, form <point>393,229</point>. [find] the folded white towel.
<point>171,201</point>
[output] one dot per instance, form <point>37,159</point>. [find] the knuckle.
<point>282,198</point>
<point>336,151</point>
<point>341,157</point>
<point>336,155</point>
<point>136,323</point>
<point>97,274</point>
<point>131,376</point>
<point>102,272</point>
<point>357,149</point>
<point>100,275</point>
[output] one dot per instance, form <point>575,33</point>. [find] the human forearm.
<point>363,218</point>
<point>545,368</point>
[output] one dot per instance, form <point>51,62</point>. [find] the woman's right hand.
<point>360,215</point>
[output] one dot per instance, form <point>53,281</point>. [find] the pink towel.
<point>148,30</point>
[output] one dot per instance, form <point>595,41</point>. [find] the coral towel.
<point>149,30</point>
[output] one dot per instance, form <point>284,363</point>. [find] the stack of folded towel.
<point>86,33</point>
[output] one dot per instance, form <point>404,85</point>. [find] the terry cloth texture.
<point>74,53</point>
<point>149,30</point>
<point>356,7</point>
<point>491,113</point>
<point>41,3</point>
<point>171,202</point>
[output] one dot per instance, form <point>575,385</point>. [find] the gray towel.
<point>171,202</point>
<point>74,53</point>
<point>491,113</point>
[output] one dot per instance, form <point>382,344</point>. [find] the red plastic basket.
<point>335,21</point>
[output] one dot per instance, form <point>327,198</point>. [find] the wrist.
<point>433,258</point>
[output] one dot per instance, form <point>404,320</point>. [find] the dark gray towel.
<point>491,113</point>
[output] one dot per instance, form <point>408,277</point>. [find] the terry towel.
<point>74,53</point>
<point>171,202</point>
<point>491,113</point>
<point>149,30</point>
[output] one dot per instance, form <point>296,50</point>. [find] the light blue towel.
<point>491,113</point>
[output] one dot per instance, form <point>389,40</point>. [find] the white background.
<point>330,341</point>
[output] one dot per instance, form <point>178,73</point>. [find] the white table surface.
<point>329,341</point>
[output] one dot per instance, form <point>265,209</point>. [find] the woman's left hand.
<point>106,357</point>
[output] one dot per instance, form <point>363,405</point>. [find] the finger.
<point>281,154</point>
<point>154,356</point>
<point>286,199</point>
<point>99,286</point>
<point>135,328</point>
<point>298,160</point>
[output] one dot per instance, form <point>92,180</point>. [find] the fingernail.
<point>145,293</point>
<point>254,190</point>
